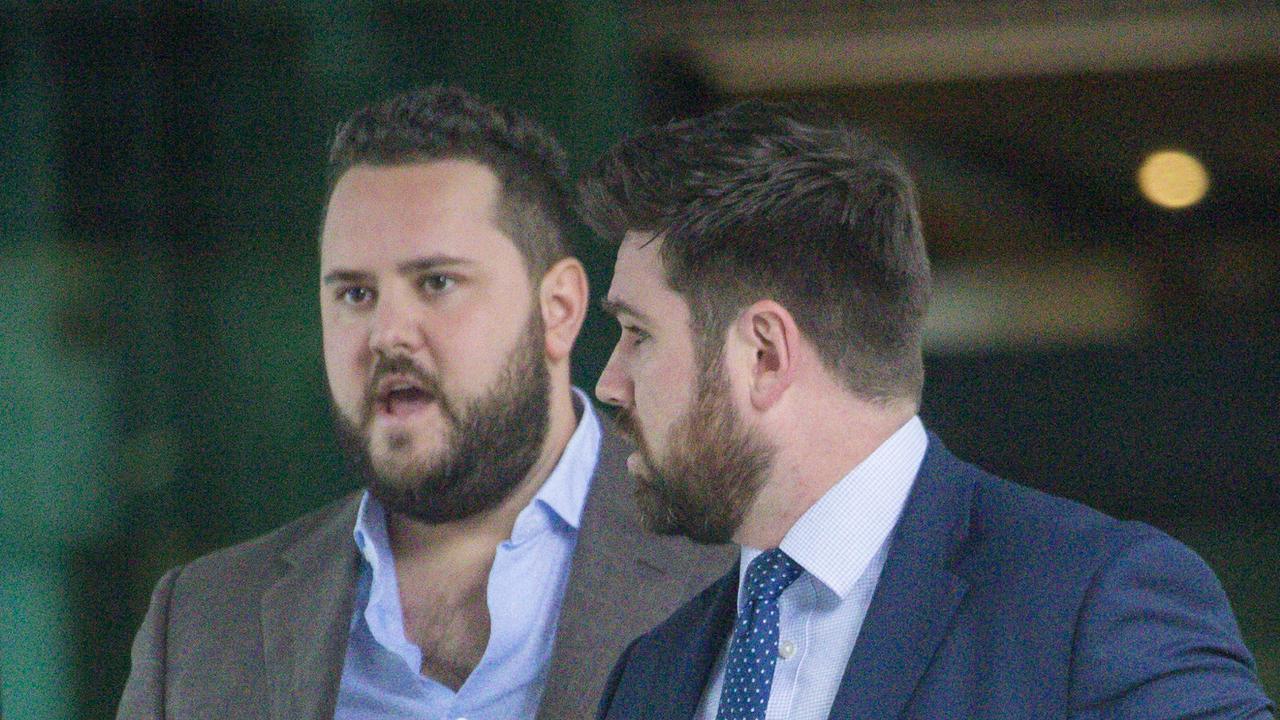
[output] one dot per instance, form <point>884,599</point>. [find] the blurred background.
<point>1101,193</point>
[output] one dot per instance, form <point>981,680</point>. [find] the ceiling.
<point>1045,109</point>
<point>1025,123</point>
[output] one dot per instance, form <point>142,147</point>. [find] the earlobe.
<point>772,333</point>
<point>562,296</point>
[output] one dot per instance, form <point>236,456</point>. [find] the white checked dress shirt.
<point>841,543</point>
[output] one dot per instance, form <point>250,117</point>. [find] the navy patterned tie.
<point>748,674</point>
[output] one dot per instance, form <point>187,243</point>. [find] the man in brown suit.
<point>494,566</point>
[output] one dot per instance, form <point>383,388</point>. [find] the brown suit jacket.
<point>259,630</point>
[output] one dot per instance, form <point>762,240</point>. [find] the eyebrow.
<point>620,307</point>
<point>431,262</point>
<point>344,277</point>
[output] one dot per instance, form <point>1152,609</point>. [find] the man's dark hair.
<point>768,201</point>
<point>445,123</point>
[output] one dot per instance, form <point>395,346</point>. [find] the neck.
<point>816,448</point>
<point>410,538</point>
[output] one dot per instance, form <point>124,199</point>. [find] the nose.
<point>396,328</point>
<point>614,386</point>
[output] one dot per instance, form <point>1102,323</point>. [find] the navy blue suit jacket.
<point>996,601</point>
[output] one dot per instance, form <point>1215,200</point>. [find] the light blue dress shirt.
<point>841,543</point>
<point>381,677</point>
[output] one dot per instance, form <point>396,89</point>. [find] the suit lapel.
<point>306,618</point>
<point>667,674</point>
<point>622,582</point>
<point>916,597</point>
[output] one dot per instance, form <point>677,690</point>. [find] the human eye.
<point>634,334</point>
<point>355,295</point>
<point>435,283</point>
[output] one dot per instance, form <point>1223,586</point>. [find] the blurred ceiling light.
<point>1041,301</point>
<point>1173,179</point>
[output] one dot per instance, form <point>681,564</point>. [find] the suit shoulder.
<point>320,531</point>
<point>1017,526</point>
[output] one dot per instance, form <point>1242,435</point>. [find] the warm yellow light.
<point>1173,179</point>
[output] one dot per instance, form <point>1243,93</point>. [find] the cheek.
<point>343,361</point>
<point>470,348</point>
<point>664,392</point>
<point>658,402</point>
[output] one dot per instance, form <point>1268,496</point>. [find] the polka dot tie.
<point>753,652</point>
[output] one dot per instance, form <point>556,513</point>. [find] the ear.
<point>562,296</point>
<point>770,334</point>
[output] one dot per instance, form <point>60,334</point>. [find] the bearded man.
<point>771,283</point>
<point>494,566</point>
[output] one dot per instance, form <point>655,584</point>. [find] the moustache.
<point>397,365</point>
<point>627,426</point>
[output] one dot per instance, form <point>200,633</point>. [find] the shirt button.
<point>786,650</point>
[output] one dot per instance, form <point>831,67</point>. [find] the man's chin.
<point>399,440</point>
<point>418,430</point>
<point>400,477</point>
<point>402,464</point>
<point>418,492</point>
<point>654,513</point>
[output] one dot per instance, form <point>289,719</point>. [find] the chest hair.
<point>446,614</point>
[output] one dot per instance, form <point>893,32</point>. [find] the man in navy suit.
<point>771,283</point>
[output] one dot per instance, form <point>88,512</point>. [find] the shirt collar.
<point>835,540</point>
<point>371,533</point>
<point>565,490</point>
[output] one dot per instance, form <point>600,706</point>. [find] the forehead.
<point>445,206</point>
<point>639,281</point>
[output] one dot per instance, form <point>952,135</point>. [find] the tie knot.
<point>769,574</point>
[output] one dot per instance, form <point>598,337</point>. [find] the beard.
<point>488,447</point>
<point>712,471</point>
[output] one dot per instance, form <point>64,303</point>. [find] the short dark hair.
<point>771,201</point>
<point>446,123</point>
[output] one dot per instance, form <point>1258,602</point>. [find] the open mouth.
<point>398,397</point>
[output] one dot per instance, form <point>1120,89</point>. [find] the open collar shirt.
<point>841,543</point>
<point>381,676</point>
